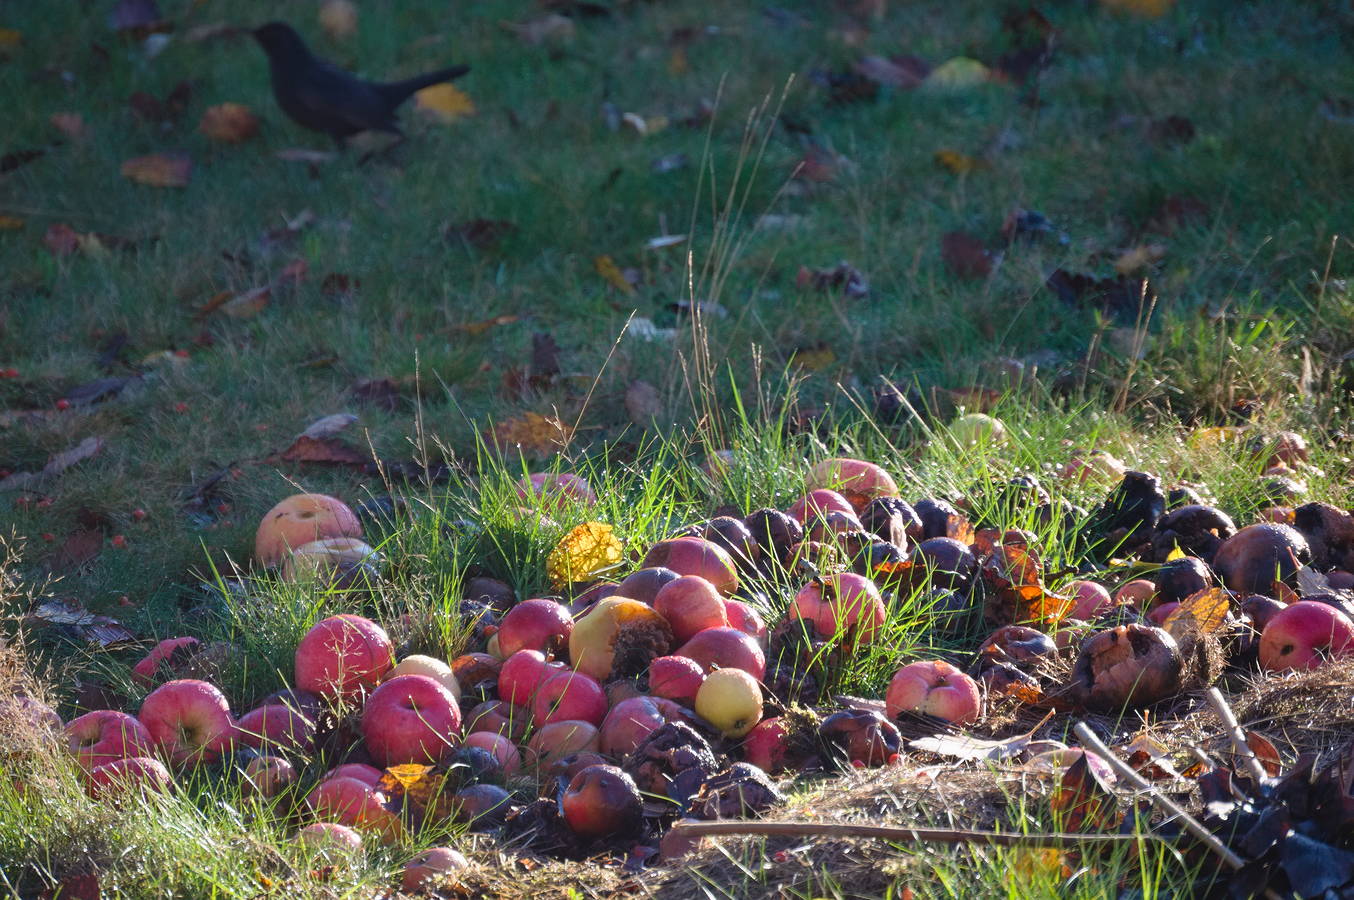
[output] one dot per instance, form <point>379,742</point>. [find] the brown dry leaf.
<point>1149,757</point>
<point>237,306</point>
<point>79,548</point>
<point>1087,802</point>
<point>965,255</point>
<point>958,73</point>
<point>1265,752</point>
<point>325,451</point>
<point>1138,258</point>
<point>11,223</point>
<point>1204,612</point>
<point>159,170</point>
<point>962,746</point>
<point>552,28</point>
<point>444,102</point>
<point>338,18</point>
<point>72,125</point>
<point>230,123</point>
<point>585,552</point>
<point>642,402</point>
<point>1035,865</point>
<point>10,38</point>
<point>607,268</point>
<point>815,358</point>
<point>382,392</point>
<point>533,433</point>
<point>958,163</point>
<point>1147,9</point>
<point>75,887</point>
<point>480,327</point>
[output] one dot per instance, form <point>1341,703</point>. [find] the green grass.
<point>1253,305</point>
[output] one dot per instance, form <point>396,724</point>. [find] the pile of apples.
<point>576,694</point>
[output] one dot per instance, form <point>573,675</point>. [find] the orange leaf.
<point>583,553</point>
<point>230,123</point>
<point>958,163</point>
<point>482,326</point>
<point>444,102</point>
<point>1204,611</point>
<point>158,170</point>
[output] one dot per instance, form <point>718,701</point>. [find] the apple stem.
<point>1236,735</point>
<point>910,835</point>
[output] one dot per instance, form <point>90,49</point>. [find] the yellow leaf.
<point>158,170</point>
<point>1175,554</point>
<point>607,268</point>
<point>10,223</point>
<point>959,72</point>
<point>445,102</point>
<point>1212,438</point>
<point>1148,9</point>
<point>531,432</point>
<point>958,163</point>
<point>10,37</point>
<point>678,64</point>
<point>815,358</point>
<point>586,551</point>
<point>1205,611</point>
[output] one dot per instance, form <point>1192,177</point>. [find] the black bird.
<point>320,96</point>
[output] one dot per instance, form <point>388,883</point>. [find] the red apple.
<point>690,604</point>
<point>499,717</point>
<point>267,776</point>
<point>169,652</point>
<point>277,727</point>
<point>342,656</point>
<point>369,775</point>
<point>348,801</point>
<point>1138,593</point>
<point>503,750</point>
<point>601,801</point>
<point>535,624</point>
<point>725,648</point>
<point>1158,614</point>
<point>297,521</point>
<point>1305,635</point>
<point>855,479</point>
<point>842,604</point>
<point>560,739</point>
<point>815,503</point>
<point>330,839</point>
<point>106,735</point>
<point>556,490</point>
<point>1089,600</point>
<point>746,619</point>
<point>631,721</point>
<point>139,773</point>
<point>675,678</point>
<point>436,866</point>
<point>765,745</point>
<point>521,676</point>
<point>410,719</point>
<point>189,721</point>
<point>695,556</point>
<point>934,688</point>
<point>569,695</point>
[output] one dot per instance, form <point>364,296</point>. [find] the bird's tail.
<point>398,91</point>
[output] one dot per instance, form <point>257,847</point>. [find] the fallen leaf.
<point>958,163</point>
<point>151,108</point>
<point>642,402</point>
<point>664,241</point>
<point>842,278</point>
<point>444,102</point>
<point>77,550</point>
<point>10,38</point>
<point>210,31</point>
<point>544,361</point>
<point>72,125</point>
<point>328,426</point>
<point>843,88</point>
<point>904,72</point>
<point>815,358</point>
<point>1149,757</point>
<point>99,389</point>
<point>1204,612</point>
<point>585,552</point>
<point>958,73</point>
<point>703,308</point>
<point>158,170</point>
<point>531,432</point>
<point>962,746</point>
<point>325,451</point>
<point>1265,752</point>
<point>1121,296</point>
<point>965,255</point>
<point>75,887</point>
<point>1147,9</point>
<point>11,223</point>
<point>230,123</point>
<point>644,329</point>
<point>237,306</point>
<point>670,163</point>
<point>382,392</point>
<point>1086,802</point>
<point>480,327</point>
<point>817,165</point>
<point>338,18</point>
<point>553,28</point>
<point>55,466</point>
<point>607,268</point>
<point>336,284</point>
<point>642,126</point>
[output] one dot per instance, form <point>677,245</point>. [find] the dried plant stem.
<point>1236,735</point>
<point>903,834</point>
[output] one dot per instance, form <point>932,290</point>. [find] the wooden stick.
<point>1236,735</point>
<point>904,834</point>
<point>1162,802</point>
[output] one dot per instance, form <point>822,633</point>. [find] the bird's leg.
<point>385,151</point>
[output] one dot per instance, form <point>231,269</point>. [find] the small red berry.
<point>138,515</point>
<point>181,354</point>
<point>118,541</point>
<point>44,503</point>
<point>48,536</point>
<point>63,404</point>
<point>11,372</point>
<point>180,407</point>
<point>124,600</point>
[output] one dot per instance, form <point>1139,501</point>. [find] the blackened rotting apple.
<point>1282,489</point>
<point>863,736</point>
<point>1126,519</point>
<point>869,559</point>
<point>1251,560</point>
<point>774,531</point>
<point>491,592</point>
<point>1018,644</point>
<point>735,537</point>
<point>668,751</point>
<point>934,514</point>
<point>1061,512</point>
<point>1011,500</point>
<point>897,403</point>
<point>1195,529</point>
<point>1004,680</point>
<point>472,765</point>
<point>482,806</point>
<point>946,610</point>
<point>893,519</point>
<point>1182,577</point>
<point>1329,531</point>
<point>789,683</point>
<point>739,792</point>
<point>381,514</point>
<point>1183,495</point>
<point>947,563</point>
<point>1127,667</point>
